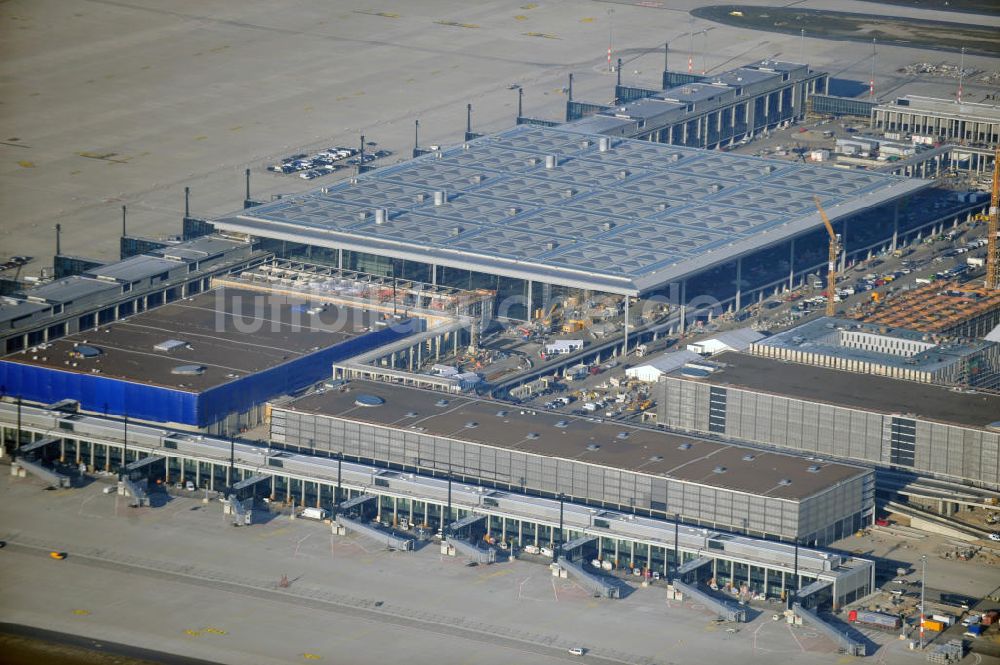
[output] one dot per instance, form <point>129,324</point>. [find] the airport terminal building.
<point>876,420</point>
<point>534,213</point>
<point>601,464</point>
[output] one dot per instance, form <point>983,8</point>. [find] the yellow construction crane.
<point>993,230</point>
<point>831,275</point>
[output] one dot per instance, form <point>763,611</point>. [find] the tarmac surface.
<point>127,102</point>
<point>179,579</point>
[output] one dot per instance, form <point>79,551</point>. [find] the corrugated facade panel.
<point>837,431</point>
<point>104,394</point>
<point>519,470</point>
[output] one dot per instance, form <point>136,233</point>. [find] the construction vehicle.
<point>993,230</point>
<point>831,275</point>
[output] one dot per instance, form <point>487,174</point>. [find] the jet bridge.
<point>356,501</point>
<point>576,543</point>
<point>135,489</point>
<point>597,584</point>
<point>466,521</point>
<point>381,536</point>
<point>472,551</point>
<point>693,565</point>
<point>247,488</point>
<point>845,643</point>
<point>36,445</point>
<point>46,475</point>
<point>730,611</point>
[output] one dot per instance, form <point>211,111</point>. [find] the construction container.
<point>931,624</point>
<point>874,619</point>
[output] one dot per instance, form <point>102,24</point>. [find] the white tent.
<point>657,366</point>
<point>730,340</point>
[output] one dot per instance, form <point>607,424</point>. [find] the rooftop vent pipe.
<point>550,161</point>
<point>381,215</point>
<point>440,197</point>
<point>604,144</point>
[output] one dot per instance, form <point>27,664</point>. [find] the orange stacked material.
<point>939,307</point>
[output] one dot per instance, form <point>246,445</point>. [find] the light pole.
<point>611,25</point>
<point>923,579</point>
<point>802,45</point>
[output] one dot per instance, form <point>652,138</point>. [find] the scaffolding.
<point>937,308</point>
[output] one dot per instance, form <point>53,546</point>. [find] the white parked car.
<point>995,536</point>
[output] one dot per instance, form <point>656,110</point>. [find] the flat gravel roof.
<point>625,220</point>
<point>229,332</point>
<point>859,391</point>
<point>619,446</point>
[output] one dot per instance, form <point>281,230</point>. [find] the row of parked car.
<point>15,262</point>
<point>313,166</point>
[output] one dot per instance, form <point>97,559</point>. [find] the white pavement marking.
<point>299,543</point>
<point>554,592</point>
<point>792,632</point>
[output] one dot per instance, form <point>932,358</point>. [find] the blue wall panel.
<point>102,394</point>
<point>98,393</point>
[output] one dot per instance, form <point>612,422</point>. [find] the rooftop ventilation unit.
<point>748,457</point>
<point>656,458</point>
<point>532,435</point>
<point>476,179</point>
<point>662,206</point>
<point>621,175</point>
<point>440,197</point>
<point>368,401</point>
<point>813,468</point>
<point>684,446</point>
<point>715,188</point>
<point>607,226</point>
<point>363,215</point>
<point>784,482</point>
<point>593,446</point>
<point>441,402</point>
<point>421,197</point>
<point>585,143</point>
<point>381,215</point>
<point>604,144</point>
<point>532,161</point>
<point>501,414</point>
<point>550,161</point>
<point>471,425</point>
<point>411,414</point>
<point>188,370</point>
<point>352,181</point>
<point>621,435</point>
<point>719,469</point>
<point>674,157</point>
<point>456,231</point>
<point>169,345</point>
<point>769,169</point>
<point>562,423</point>
<point>551,244</point>
<point>513,210</point>
<point>568,193</point>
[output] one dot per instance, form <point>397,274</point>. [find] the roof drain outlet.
<point>604,144</point>
<point>440,197</point>
<point>550,161</point>
<point>381,215</point>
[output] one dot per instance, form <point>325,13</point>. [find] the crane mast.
<point>993,230</point>
<point>831,274</point>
